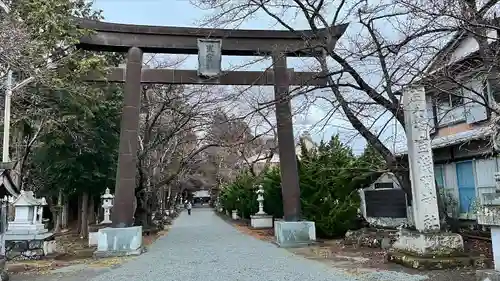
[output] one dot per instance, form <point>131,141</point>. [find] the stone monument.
<point>427,241</point>
<point>489,214</point>
<point>27,233</point>
<point>261,219</point>
<point>107,204</point>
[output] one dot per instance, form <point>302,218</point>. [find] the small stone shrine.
<point>261,219</point>
<point>26,236</point>
<point>489,214</point>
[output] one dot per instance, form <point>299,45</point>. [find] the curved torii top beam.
<point>116,37</point>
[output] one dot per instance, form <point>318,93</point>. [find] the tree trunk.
<point>84,227</point>
<point>65,213</point>
<point>79,218</point>
<point>58,214</point>
<point>92,210</point>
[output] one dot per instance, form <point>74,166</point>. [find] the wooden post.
<point>123,210</point>
<point>290,188</point>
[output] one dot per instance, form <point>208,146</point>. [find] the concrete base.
<point>429,244</point>
<point>487,275</point>
<point>22,247</point>
<point>294,234</point>
<point>10,236</point>
<point>261,221</point>
<point>437,263</point>
<point>432,251</point>
<point>93,238</point>
<point>234,215</point>
<point>115,242</point>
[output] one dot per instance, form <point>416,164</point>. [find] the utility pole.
<point>6,120</point>
<point>8,95</point>
<point>9,88</point>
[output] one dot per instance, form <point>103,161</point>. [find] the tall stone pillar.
<point>129,132</point>
<point>292,231</point>
<point>413,248</point>
<point>130,236</point>
<point>286,142</point>
<point>421,164</point>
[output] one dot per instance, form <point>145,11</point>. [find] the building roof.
<point>439,142</point>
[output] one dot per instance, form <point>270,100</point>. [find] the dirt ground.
<point>74,261</point>
<point>358,260</point>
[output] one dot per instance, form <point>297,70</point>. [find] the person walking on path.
<point>189,207</point>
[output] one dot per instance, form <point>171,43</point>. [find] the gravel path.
<point>202,247</point>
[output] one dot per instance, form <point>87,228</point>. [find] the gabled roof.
<point>27,198</point>
<point>457,38</point>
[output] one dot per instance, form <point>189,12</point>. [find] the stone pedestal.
<point>261,221</point>
<point>294,234</point>
<point>93,238</point>
<point>29,246</point>
<point>428,251</point>
<point>115,242</point>
<point>429,244</point>
<point>234,215</point>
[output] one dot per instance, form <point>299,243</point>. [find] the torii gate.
<point>137,39</point>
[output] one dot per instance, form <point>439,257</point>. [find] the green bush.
<point>240,195</point>
<point>271,182</point>
<point>329,194</point>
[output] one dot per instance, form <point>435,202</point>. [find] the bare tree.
<point>392,45</point>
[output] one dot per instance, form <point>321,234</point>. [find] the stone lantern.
<point>107,204</point>
<point>261,219</point>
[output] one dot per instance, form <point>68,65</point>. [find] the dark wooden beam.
<point>116,37</point>
<point>171,76</point>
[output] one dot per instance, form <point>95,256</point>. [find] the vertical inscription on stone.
<point>209,57</point>
<point>421,162</point>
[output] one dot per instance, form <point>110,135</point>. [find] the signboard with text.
<point>209,57</point>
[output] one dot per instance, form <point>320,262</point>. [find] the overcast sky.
<point>182,13</point>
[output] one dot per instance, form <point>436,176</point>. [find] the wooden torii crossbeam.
<point>137,39</point>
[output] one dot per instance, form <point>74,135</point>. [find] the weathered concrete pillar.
<point>425,206</point>
<point>412,248</point>
<point>123,211</point>
<point>286,142</point>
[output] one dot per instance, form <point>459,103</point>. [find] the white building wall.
<point>484,170</point>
